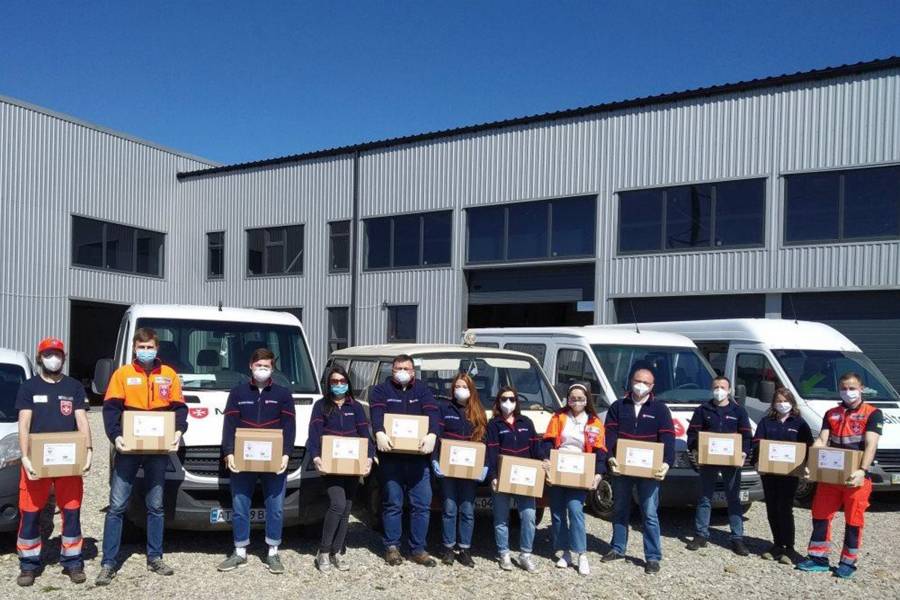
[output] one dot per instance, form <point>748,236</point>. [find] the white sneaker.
<point>564,560</point>
<point>322,562</point>
<point>505,562</point>
<point>526,561</point>
<point>584,568</point>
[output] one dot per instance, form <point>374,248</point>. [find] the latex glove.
<point>483,474</point>
<point>229,462</point>
<point>368,467</point>
<point>87,462</point>
<point>317,463</point>
<point>435,466</point>
<point>426,446</point>
<point>743,457</point>
<point>175,442</point>
<point>806,473</point>
<point>660,473</point>
<point>284,462</point>
<point>546,464</point>
<point>856,478</point>
<point>29,468</point>
<point>120,443</point>
<point>383,442</point>
<point>613,465</point>
<point>494,484</point>
<point>596,483</point>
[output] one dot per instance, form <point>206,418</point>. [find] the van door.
<point>574,365</point>
<point>754,369</point>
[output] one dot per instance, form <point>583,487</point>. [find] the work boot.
<point>159,567</point>
<point>738,547</point>
<point>75,574</point>
<point>652,567</point>
<point>105,577</point>
<point>695,544</point>
<point>25,578</point>
<point>424,559</point>
<point>611,556</point>
<point>464,558</point>
<point>392,556</point>
<point>448,557</point>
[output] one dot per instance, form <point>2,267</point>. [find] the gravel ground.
<point>712,572</point>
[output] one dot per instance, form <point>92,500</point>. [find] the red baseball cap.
<point>51,343</point>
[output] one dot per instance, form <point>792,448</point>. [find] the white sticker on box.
<point>831,459</point>
<point>405,428</point>
<point>720,446</point>
<point>570,463</point>
<point>257,450</point>
<point>641,458</point>
<point>462,456</point>
<point>522,475</point>
<point>59,454</point>
<point>345,448</point>
<point>786,453</point>
<point>149,426</point>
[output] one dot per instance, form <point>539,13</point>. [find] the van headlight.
<point>9,450</point>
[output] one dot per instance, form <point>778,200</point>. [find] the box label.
<point>522,475</point>
<point>570,463</point>
<point>405,428</point>
<point>831,459</point>
<point>345,448</point>
<point>254,450</point>
<point>639,457</point>
<point>149,426</point>
<point>721,446</point>
<point>782,453</point>
<point>460,456</point>
<point>59,454</point>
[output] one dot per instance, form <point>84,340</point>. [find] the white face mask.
<point>52,363</point>
<point>462,394</point>
<point>639,391</point>
<point>402,377</point>
<point>850,396</point>
<point>508,406</point>
<point>720,395</point>
<point>262,374</point>
<point>782,408</point>
<point>577,406</point>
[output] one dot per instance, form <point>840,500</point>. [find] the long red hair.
<point>474,411</point>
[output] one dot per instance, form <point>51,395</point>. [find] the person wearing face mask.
<point>782,423</point>
<point>462,418</point>
<point>638,416</point>
<point>259,404</point>
<point>50,402</point>
<point>720,415</point>
<point>405,476</point>
<point>854,425</point>
<point>338,414</point>
<point>511,433</point>
<point>575,428</point>
<point>146,385</point>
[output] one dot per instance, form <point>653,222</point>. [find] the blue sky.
<point>237,81</point>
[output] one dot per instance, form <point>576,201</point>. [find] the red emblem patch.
<point>679,427</point>
<point>199,413</point>
<point>65,407</point>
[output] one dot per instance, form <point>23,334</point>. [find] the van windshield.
<point>214,355</point>
<point>816,373</point>
<point>681,373</point>
<point>11,376</point>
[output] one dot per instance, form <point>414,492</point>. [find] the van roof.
<point>14,357</point>
<point>594,334</point>
<point>211,313</point>
<point>414,350</point>
<point>776,333</point>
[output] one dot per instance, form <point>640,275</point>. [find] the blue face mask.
<point>339,389</point>
<point>145,356</point>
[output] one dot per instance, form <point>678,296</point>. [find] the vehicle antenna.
<point>634,316</point>
<point>793,310</point>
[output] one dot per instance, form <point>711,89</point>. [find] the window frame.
<point>329,310</point>
<point>391,219</point>
<point>103,241</point>
<point>268,244</point>
<point>331,237</point>
<point>391,308</point>
<point>209,275</point>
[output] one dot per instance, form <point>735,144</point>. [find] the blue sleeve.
<point>229,423</point>
<point>79,397</point>
<point>804,433</point>
<point>431,410</point>
<point>666,435</point>
<point>746,431</point>
<point>493,450</point>
<point>181,412</point>
<point>288,423</point>
<point>694,428</point>
<point>611,428</point>
<point>537,448</point>
<point>436,454</point>
<point>377,406</point>
<point>362,428</point>
<point>112,417</point>
<point>314,437</point>
<point>760,435</point>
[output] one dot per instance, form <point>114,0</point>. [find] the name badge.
<point>39,399</point>
<point>133,381</point>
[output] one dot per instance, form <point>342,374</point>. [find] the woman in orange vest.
<point>575,428</point>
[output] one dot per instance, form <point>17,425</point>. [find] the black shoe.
<point>611,556</point>
<point>75,575</point>
<point>652,567</point>
<point>448,557</point>
<point>464,558</point>
<point>25,578</point>
<point>738,547</point>
<point>695,544</point>
<point>774,552</point>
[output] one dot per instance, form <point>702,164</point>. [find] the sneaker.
<point>773,552</point>
<point>105,577</point>
<point>611,556</point>
<point>232,562</point>
<point>738,547</point>
<point>392,556</point>
<point>505,562</point>
<point>159,567</point>
<point>790,556</point>
<point>464,558</point>
<point>322,562</point>
<point>814,565</point>
<point>448,557</point>
<point>584,567</point>
<point>338,562</point>
<point>695,544</point>
<point>424,559</point>
<point>564,560</point>
<point>75,575</point>
<point>844,571</point>
<point>273,563</point>
<point>652,567</point>
<point>25,578</point>
<point>526,561</point>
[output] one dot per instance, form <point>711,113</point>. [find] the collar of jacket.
<point>139,366</point>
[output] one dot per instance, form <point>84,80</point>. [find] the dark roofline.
<point>715,90</point>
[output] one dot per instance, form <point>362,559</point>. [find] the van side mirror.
<point>766,391</point>
<point>740,393</point>
<point>103,371</point>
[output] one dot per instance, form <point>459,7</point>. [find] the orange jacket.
<point>594,432</point>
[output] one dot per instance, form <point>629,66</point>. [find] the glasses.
<point>502,398</point>
<point>338,381</point>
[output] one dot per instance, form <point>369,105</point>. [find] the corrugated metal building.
<point>771,197</point>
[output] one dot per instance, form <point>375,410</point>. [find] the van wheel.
<point>600,501</point>
<point>805,492</point>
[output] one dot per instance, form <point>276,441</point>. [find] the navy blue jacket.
<point>793,429</point>
<point>519,439</point>
<point>271,407</point>
<point>348,420</point>
<point>453,425</point>
<point>417,399</point>
<point>653,424</point>
<point>731,418</point>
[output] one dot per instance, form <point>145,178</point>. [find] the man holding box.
<point>720,415</point>
<point>851,425</point>
<point>147,385</point>
<point>404,476</point>
<point>50,402</point>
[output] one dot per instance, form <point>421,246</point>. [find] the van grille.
<point>206,461</point>
<point>889,460</point>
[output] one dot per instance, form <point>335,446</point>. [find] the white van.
<point>604,356</point>
<point>15,369</point>
<point>807,358</point>
<point>210,349</point>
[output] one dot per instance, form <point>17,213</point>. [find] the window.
<point>753,369</point>
<point>338,328</point>
<point>215,255</point>
<point>729,214</point>
<point>841,206</point>
<point>562,228</point>
<point>275,251</point>
<point>101,245</point>
<point>339,247</point>
<point>361,372</point>
<point>402,323</point>
<point>575,366</point>
<point>538,351</point>
<point>405,241</point>
<point>11,376</point>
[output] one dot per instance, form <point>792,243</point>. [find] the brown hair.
<point>402,358</point>
<point>851,375</point>
<point>145,334</point>
<point>722,378</point>
<point>788,395</point>
<point>262,354</point>
<point>505,389</point>
<point>474,410</point>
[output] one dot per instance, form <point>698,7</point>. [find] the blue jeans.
<point>402,477</point>
<point>459,499</point>
<point>648,498</point>
<point>567,519</point>
<point>731,476</point>
<point>525,505</point>
<point>242,486</point>
<point>124,473</point>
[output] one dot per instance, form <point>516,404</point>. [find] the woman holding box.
<point>462,418</point>
<point>576,428</point>
<point>783,423</point>
<point>337,413</point>
<point>511,433</point>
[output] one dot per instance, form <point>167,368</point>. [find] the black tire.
<point>600,501</point>
<point>805,492</point>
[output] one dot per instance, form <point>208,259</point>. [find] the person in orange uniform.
<point>148,385</point>
<point>50,402</point>
<point>853,425</point>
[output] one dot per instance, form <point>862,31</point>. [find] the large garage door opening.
<point>92,335</point>
<point>531,297</point>
<point>690,308</point>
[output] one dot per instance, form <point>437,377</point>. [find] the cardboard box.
<point>721,449</point>
<point>781,458</point>
<point>57,454</point>
<point>344,455</point>
<point>406,432</point>
<point>572,469</point>
<point>148,432</point>
<point>461,460</point>
<point>639,459</point>
<point>258,450</point>
<point>521,476</point>
<point>833,465</point>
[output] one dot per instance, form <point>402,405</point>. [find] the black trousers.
<point>780,491</point>
<point>341,490</point>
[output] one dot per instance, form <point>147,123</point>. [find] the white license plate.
<point>720,498</point>
<point>484,503</point>
<point>223,515</point>
<point>895,479</point>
